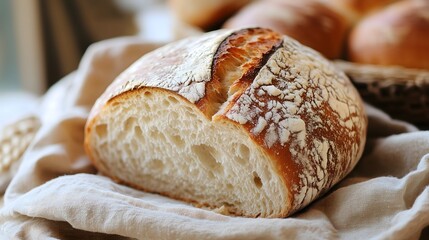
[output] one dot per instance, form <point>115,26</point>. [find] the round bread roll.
<point>354,10</point>
<point>397,35</point>
<point>247,121</point>
<point>205,14</point>
<point>310,22</point>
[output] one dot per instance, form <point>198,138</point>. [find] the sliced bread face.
<point>246,120</point>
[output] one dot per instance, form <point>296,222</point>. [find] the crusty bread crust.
<point>398,35</point>
<point>303,114</point>
<point>355,10</point>
<point>205,14</point>
<point>311,22</point>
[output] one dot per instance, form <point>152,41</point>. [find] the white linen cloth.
<point>57,194</point>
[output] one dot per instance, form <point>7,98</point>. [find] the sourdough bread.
<point>245,120</point>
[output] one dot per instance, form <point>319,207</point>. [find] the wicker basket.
<point>14,140</point>
<point>403,93</point>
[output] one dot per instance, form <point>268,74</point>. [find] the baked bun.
<point>397,35</point>
<point>248,120</point>
<point>354,10</point>
<point>205,14</point>
<point>309,21</point>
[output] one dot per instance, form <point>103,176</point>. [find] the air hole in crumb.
<point>244,153</point>
<point>156,164</point>
<point>206,155</point>
<point>172,99</point>
<point>229,186</point>
<point>101,130</point>
<point>130,123</point>
<point>145,119</point>
<point>145,106</point>
<point>156,134</point>
<point>165,103</point>
<point>138,133</point>
<point>177,140</point>
<point>257,180</point>
<point>114,104</point>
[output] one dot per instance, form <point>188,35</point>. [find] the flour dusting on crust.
<point>300,102</point>
<point>183,67</point>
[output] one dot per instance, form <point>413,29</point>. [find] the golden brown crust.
<point>354,10</point>
<point>310,22</point>
<point>205,14</point>
<point>235,64</point>
<point>397,35</point>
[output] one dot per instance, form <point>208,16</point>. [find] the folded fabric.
<point>57,194</point>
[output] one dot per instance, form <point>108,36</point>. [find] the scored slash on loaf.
<point>247,120</point>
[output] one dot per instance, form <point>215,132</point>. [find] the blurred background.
<point>41,41</point>
<point>9,73</point>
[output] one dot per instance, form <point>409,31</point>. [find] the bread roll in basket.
<point>246,120</point>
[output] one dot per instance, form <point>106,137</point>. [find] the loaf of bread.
<point>245,120</point>
<point>397,35</point>
<point>205,14</point>
<point>355,10</point>
<point>311,22</point>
